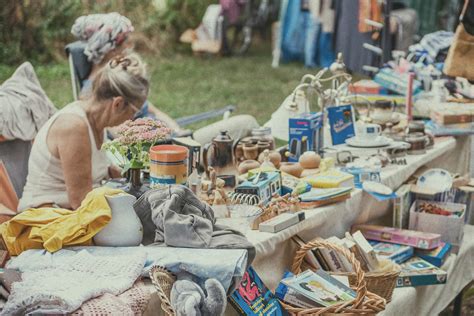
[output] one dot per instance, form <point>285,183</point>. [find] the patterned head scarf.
<point>103,32</point>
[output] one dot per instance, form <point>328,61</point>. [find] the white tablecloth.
<point>275,251</point>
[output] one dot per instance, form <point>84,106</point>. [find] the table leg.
<point>458,304</point>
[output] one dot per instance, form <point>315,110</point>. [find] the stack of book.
<point>419,254</point>
<point>330,260</point>
<point>318,197</point>
<point>313,289</point>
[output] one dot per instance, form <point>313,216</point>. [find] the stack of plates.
<point>379,141</point>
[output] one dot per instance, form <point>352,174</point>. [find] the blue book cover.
<point>290,296</point>
<point>341,121</point>
<point>436,256</point>
<point>395,252</point>
<point>418,272</point>
<point>252,297</point>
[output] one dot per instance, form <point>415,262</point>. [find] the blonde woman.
<point>66,161</point>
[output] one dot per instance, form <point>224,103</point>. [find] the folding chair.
<point>80,69</point>
<point>79,66</point>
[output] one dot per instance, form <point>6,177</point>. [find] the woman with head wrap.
<point>106,36</point>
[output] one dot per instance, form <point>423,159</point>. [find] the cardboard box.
<point>304,134</point>
<point>281,222</point>
<point>418,272</point>
<point>450,113</point>
<point>407,237</point>
<point>450,228</point>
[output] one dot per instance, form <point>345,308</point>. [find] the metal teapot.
<point>219,154</point>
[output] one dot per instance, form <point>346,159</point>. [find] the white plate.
<point>376,187</point>
<point>380,141</point>
<point>438,180</point>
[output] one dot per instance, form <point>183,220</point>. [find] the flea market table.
<point>275,251</point>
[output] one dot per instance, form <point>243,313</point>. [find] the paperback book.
<point>252,297</point>
<point>436,256</point>
<point>291,296</point>
<point>418,272</point>
<point>341,121</point>
<point>394,252</point>
<point>320,287</point>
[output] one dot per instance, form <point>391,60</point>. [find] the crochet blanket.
<point>132,302</point>
<point>62,286</point>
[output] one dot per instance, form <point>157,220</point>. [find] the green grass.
<point>185,84</point>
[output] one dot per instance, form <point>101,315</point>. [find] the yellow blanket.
<point>53,228</point>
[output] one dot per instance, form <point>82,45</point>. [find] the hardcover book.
<point>436,256</point>
<point>310,256</point>
<point>341,121</point>
<point>401,207</point>
<point>253,298</point>
<point>418,272</point>
<point>407,237</point>
<point>395,252</point>
<point>320,287</point>
<point>366,250</point>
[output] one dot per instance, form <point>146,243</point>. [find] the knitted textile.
<point>62,288</point>
<point>132,302</point>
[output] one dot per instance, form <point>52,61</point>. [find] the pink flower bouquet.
<point>134,140</point>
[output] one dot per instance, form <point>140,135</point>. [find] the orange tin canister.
<point>168,165</point>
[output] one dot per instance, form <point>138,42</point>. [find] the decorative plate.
<point>438,180</point>
<point>376,187</point>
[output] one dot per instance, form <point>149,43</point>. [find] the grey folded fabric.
<point>24,106</point>
<point>174,216</point>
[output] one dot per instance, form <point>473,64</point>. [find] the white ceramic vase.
<point>125,228</point>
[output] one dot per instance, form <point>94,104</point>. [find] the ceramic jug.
<point>219,154</point>
<point>125,228</point>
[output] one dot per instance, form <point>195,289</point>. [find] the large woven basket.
<point>365,303</point>
<point>380,283</point>
<point>163,281</point>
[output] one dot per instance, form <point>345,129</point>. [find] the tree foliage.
<point>39,29</point>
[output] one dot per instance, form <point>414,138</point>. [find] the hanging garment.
<point>53,228</point>
<point>348,39</point>
<point>306,35</point>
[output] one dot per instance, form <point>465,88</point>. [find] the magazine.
<point>252,297</point>
<point>341,121</point>
<point>324,290</point>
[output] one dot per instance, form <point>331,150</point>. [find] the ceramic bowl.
<point>292,168</point>
<point>247,165</point>
<point>310,160</point>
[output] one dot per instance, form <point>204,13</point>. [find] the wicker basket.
<point>163,281</point>
<point>365,303</point>
<point>380,283</point>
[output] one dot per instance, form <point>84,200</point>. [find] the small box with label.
<point>304,134</point>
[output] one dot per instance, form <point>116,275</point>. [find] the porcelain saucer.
<point>380,141</point>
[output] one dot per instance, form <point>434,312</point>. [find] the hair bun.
<point>130,63</point>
